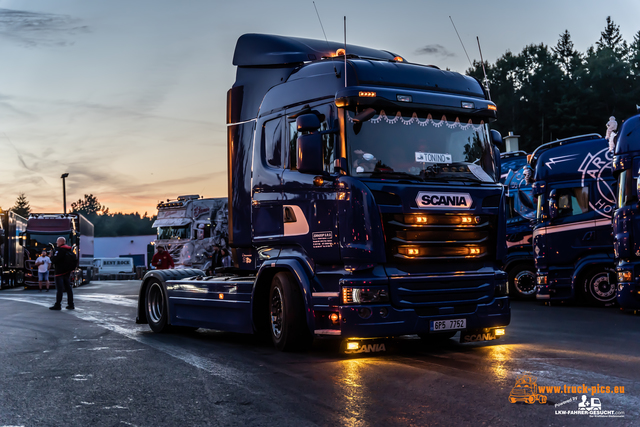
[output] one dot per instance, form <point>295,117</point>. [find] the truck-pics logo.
<point>526,390</point>
<point>426,199</point>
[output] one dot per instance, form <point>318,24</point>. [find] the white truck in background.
<point>193,230</point>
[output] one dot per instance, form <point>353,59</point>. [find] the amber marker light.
<point>492,107</point>
<point>499,332</point>
<point>398,58</point>
<point>364,94</point>
<point>221,296</point>
<point>334,317</point>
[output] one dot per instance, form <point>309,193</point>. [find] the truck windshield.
<point>626,185</point>
<point>36,242</point>
<point>169,233</point>
<point>417,143</point>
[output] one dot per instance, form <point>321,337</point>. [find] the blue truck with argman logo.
<point>626,219</point>
<point>572,239</point>
<point>363,202</point>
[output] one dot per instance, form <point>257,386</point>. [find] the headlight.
<point>352,295</point>
<point>541,279</point>
<point>501,289</point>
<point>625,276</point>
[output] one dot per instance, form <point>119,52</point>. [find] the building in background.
<point>125,246</point>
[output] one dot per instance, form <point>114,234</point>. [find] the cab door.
<point>310,208</point>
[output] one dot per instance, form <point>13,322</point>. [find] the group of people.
<point>64,261</point>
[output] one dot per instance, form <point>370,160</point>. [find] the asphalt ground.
<point>95,367</point>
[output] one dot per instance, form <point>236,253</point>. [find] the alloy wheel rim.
<point>525,282</point>
<point>276,313</point>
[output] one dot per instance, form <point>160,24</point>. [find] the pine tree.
<point>22,207</point>
<point>567,58</point>
<point>611,38</point>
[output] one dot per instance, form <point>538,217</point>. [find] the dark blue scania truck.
<point>626,220</point>
<point>363,202</point>
<point>572,238</point>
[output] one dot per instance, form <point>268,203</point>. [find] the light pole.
<point>64,193</point>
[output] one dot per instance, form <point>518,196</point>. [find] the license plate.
<point>447,325</point>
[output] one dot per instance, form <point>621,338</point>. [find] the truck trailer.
<point>12,251</point>
<point>193,230</point>
<point>626,219</point>
<point>572,237</point>
<point>42,231</point>
<point>364,202</point>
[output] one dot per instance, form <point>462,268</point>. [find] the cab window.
<point>272,137</point>
<point>573,201</point>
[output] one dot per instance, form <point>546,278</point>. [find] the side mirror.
<point>310,158</point>
<point>553,205</point>
<point>496,138</point>
<point>307,123</point>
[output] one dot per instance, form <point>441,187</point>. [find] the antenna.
<point>345,51</point>
<point>335,70</point>
<point>486,80</point>
<point>463,48</point>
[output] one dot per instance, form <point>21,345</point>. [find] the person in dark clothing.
<point>64,262</point>
<point>162,259</point>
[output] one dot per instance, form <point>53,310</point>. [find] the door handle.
<point>588,236</point>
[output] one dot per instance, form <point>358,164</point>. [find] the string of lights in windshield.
<point>426,122</point>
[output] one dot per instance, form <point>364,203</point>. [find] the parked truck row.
<point>24,239</point>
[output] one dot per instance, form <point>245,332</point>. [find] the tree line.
<point>548,93</point>
<point>105,224</point>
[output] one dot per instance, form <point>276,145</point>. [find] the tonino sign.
<point>427,199</point>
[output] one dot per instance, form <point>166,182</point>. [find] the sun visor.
<point>171,222</point>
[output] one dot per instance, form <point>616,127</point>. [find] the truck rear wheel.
<point>288,322</point>
<point>600,286</point>
<point>522,281</point>
<point>156,307</point>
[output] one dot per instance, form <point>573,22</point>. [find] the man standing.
<point>162,260</point>
<point>43,262</point>
<point>64,262</point>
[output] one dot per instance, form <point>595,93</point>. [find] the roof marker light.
<point>340,52</point>
<point>398,59</point>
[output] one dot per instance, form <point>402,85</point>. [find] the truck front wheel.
<point>600,286</point>
<point>156,307</point>
<point>287,316</point>
<point>522,281</point>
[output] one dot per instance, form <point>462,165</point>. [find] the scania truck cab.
<point>364,201</point>
<point>626,219</point>
<point>12,250</point>
<point>572,237</point>
<point>521,212</point>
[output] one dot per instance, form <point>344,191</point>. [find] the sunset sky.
<point>128,97</point>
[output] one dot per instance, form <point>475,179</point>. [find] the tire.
<point>156,307</point>
<point>289,331</point>
<point>598,290</point>
<point>522,281</point>
<point>512,399</point>
<point>542,399</point>
<point>19,278</point>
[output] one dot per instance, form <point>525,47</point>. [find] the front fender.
<point>589,261</point>
<point>305,277</point>
<point>163,276</point>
